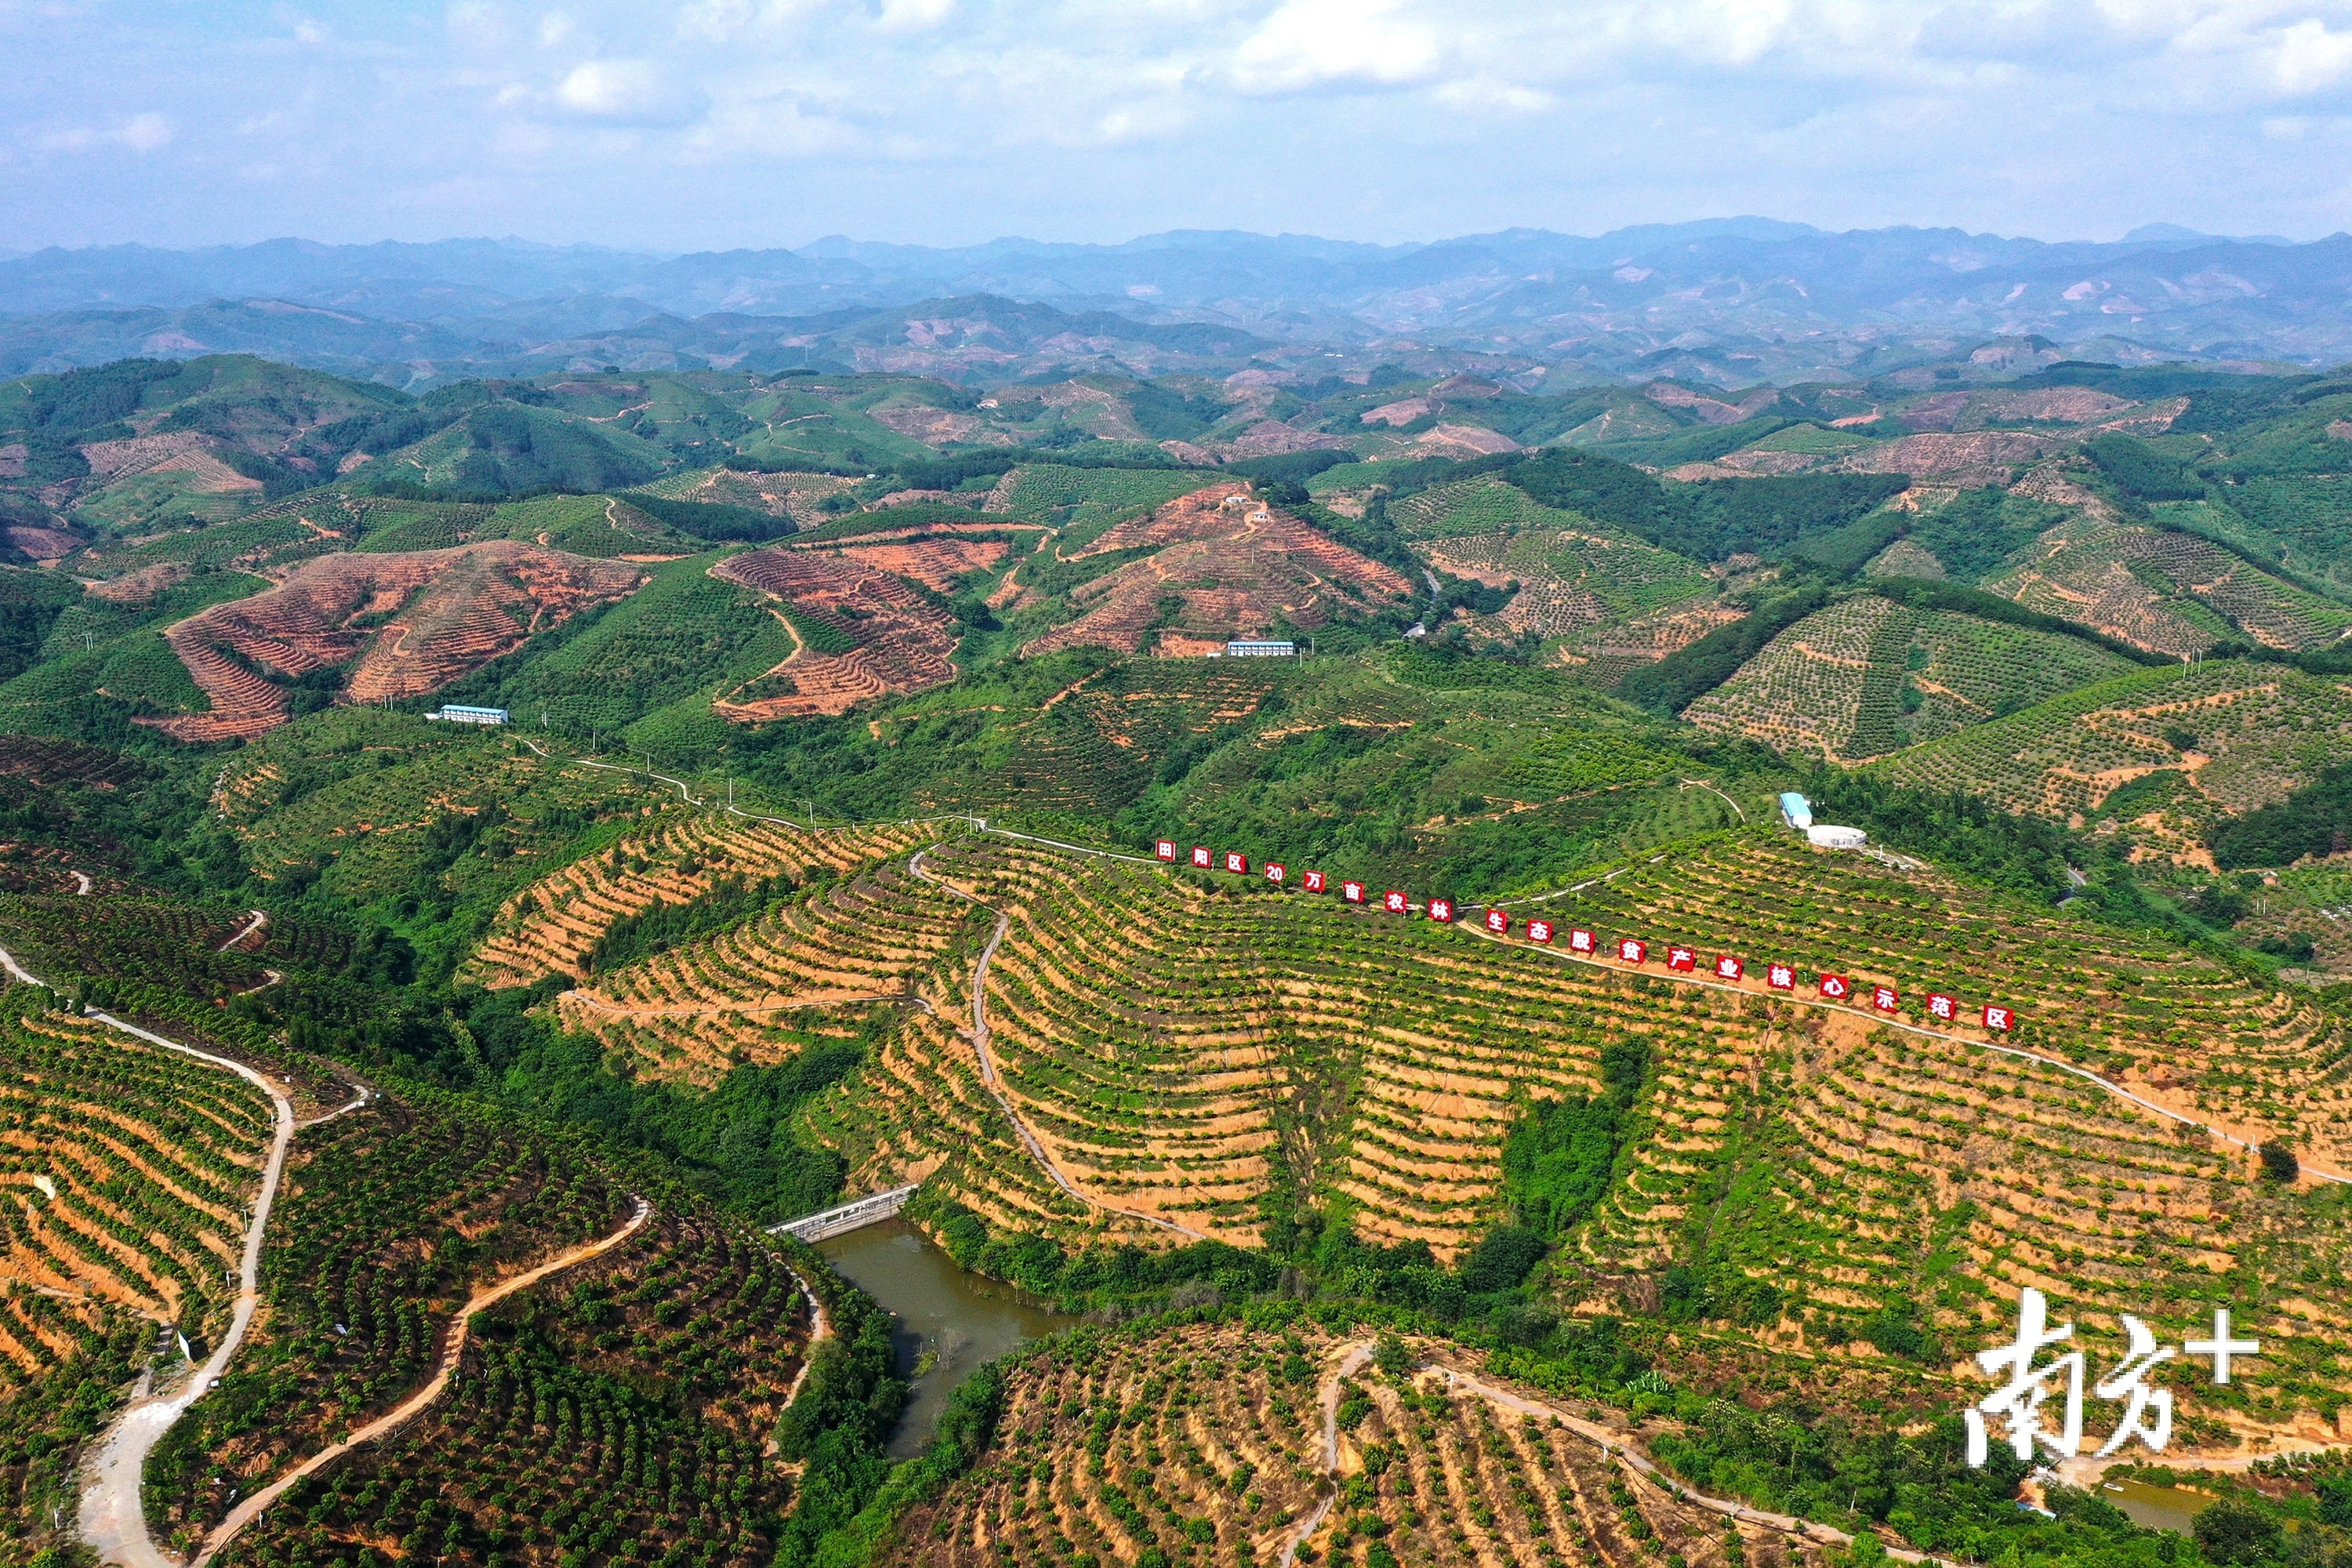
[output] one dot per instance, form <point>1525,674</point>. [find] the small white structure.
<point>459,713</point>
<point>1258,647</point>
<point>1796,810</point>
<point>1829,835</point>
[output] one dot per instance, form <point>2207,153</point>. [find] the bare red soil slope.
<point>902,642</point>
<point>1237,565</point>
<point>406,623</point>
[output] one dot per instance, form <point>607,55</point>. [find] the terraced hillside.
<point>550,927</point>
<point>125,1172</point>
<point>2172,592</point>
<point>1186,1063</point>
<point>1209,1442</point>
<point>1869,676</point>
<point>1222,564</point>
<point>692,1012</point>
<point>1572,572</point>
<point>860,634</point>
<point>2231,736</point>
<point>406,623</point>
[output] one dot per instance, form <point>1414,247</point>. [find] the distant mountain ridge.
<point>1734,302</point>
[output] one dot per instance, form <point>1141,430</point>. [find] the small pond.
<point>2153,1507</point>
<point>946,1323</point>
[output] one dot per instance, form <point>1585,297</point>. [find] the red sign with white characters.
<point>1885,998</point>
<point>1498,922</point>
<point>1582,940</point>
<point>1274,872</point>
<point>1683,958</point>
<point>1314,882</point>
<point>1167,847</point>
<point>1998,1018</point>
<point>1942,1006</point>
<point>1236,862</point>
<point>1201,857</point>
<point>1780,977</point>
<point>1836,987</point>
<point>1728,968</point>
<point>1539,930</point>
<point>1632,952</point>
<point>1440,910</point>
<point>1393,902</point>
<point>1352,892</point>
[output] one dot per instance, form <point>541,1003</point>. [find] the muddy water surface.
<point>946,1324</point>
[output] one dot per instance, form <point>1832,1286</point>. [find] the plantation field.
<point>1221,565</point>
<point>391,1215</point>
<point>1210,1439</point>
<point>751,993</point>
<point>1869,676</point>
<point>407,625</point>
<point>1083,501</point>
<point>2171,592</point>
<point>1193,1058</point>
<point>418,821</point>
<point>1569,580</point>
<point>685,632</point>
<point>125,1171</point>
<point>601,527</point>
<point>2243,735</point>
<point>858,633</point>
<point>550,927</point>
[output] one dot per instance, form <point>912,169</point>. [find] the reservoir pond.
<point>946,1323</point>
<point>2154,1507</point>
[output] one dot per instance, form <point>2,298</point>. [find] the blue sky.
<point>692,124</point>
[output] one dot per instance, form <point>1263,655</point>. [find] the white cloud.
<point>2311,58</point>
<point>1311,43</point>
<point>913,15</point>
<point>627,92</point>
<point>140,133</point>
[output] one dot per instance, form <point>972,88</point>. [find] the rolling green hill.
<point>806,880</point>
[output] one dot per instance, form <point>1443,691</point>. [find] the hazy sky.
<point>690,124</point>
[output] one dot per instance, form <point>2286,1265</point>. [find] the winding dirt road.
<point>112,1519</point>
<point>453,1346</point>
<point>994,1083</point>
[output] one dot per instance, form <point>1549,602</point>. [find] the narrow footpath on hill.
<point>453,1347</point>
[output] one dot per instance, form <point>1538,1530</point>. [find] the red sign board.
<point>1781,977</point>
<point>1683,958</point>
<point>1314,882</point>
<point>1440,910</point>
<point>1632,951</point>
<point>1836,987</point>
<point>1942,1006</point>
<point>1393,902</point>
<point>1999,1019</point>
<point>1274,872</point>
<point>1201,857</point>
<point>1582,940</point>
<point>1352,892</point>
<point>1728,968</point>
<point>1539,930</point>
<point>1167,847</point>
<point>1236,862</point>
<point>1498,922</point>
<point>1884,999</point>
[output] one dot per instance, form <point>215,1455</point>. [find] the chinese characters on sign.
<point>2027,1384</point>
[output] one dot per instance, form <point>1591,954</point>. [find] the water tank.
<point>1829,835</point>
